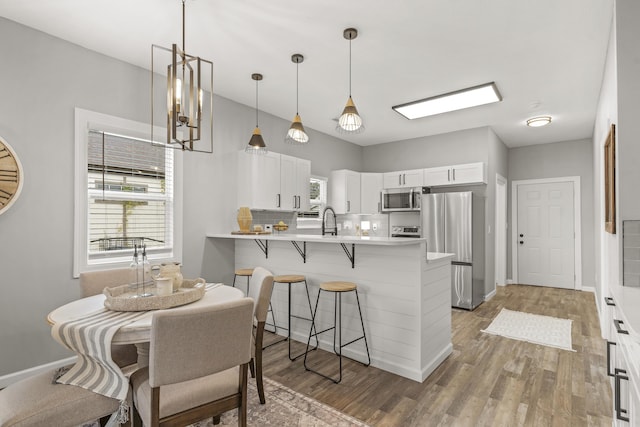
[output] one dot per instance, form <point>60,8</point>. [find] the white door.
<point>545,235</point>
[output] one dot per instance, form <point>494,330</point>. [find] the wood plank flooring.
<point>487,381</point>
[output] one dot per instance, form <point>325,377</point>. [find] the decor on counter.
<point>280,226</point>
<point>120,298</point>
<point>536,122</point>
<point>286,407</point>
<point>244,219</point>
<point>296,133</point>
<point>256,143</point>
<point>186,115</point>
<point>350,121</point>
<point>11,176</point>
<point>533,328</point>
<point>610,181</point>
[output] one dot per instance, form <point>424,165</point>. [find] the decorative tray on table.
<point>124,298</point>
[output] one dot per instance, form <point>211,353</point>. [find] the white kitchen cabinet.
<point>470,173</point>
<point>623,353</point>
<point>401,179</point>
<point>371,185</point>
<point>344,191</point>
<point>294,183</point>
<point>273,181</point>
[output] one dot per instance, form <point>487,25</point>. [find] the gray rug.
<point>286,407</point>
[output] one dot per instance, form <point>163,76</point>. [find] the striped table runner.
<point>90,337</point>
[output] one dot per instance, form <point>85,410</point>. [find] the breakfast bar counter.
<point>405,293</point>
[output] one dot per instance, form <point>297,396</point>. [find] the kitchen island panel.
<point>395,283</point>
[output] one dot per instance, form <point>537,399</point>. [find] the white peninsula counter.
<point>405,293</point>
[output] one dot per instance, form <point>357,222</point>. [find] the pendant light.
<point>256,143</point>
<point>296,133</point>
<point>185,96</point>
<point>350,121</point>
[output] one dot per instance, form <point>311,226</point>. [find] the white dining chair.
<point>260,290</point>
<point>92,283</point>
<point>198,362</point>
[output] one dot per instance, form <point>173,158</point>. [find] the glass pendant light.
<point>350,121</point>
<point>296,133</point>
<point>256,143</point>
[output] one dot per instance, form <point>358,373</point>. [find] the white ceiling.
<point>546,57</point>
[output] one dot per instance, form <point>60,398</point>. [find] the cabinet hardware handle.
<point>299,202</point>
<point>404,179</point>
<point>618,324</point>
<point>348,206</point>
<point>609,344</point>
<point>379,209</point>
<point>295,202</point>
<point>620,374</point>
<point>278,200</point>
<point>399,179</point>
<point>609,301</point>
<point>449,175</point>
<point>454,174</point>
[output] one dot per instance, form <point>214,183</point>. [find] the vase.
<point>244,219</point>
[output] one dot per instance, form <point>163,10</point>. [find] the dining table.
<point>91,313</point>
<point>137,332</point>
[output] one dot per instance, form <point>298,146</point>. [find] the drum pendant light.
<point>256,143</point>
<point>350,121</point>
<point>296,133</point>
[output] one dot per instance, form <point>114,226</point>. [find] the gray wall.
<point>48,78</point>
<point>570,158</point>
<point>465,146</point>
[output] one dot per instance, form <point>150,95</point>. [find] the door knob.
<point>522,235</point>
<point>522,242</point>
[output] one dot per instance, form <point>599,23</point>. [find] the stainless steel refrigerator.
<point>454,223</point>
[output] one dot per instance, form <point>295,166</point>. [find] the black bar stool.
<point>248,272</point>
<point>291,279</point>
<point>338,288</point>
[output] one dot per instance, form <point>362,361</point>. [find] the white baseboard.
<point>589,289</point>
<point>510,282</point>
<point>7,380</point>
<point>490,295</point>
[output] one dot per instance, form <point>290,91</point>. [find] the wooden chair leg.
<point>216,420</point>
<point>242,410</point>
<point>252,368</point>
<point>259,383</point>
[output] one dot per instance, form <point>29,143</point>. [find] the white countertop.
<point>361,240</point>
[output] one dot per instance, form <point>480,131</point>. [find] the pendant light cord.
<point>349,67</point>
<point>297,87</point>
<point>256,103</point>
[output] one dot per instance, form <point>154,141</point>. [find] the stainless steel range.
<point>406,231</point>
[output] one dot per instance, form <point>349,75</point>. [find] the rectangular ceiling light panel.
<point>458,100</point>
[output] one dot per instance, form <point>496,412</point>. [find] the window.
<point>125,193</point>
<point>317,202</point>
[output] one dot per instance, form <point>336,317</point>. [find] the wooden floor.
<point>487,381</point>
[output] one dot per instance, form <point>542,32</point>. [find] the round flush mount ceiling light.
<point>536,122</point>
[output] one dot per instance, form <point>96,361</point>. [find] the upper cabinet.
<point>470,173</point>
<point>371,185</point>
<point>344,191</point>
<point>294,183</point>
<point>408,178</point>
<point>273,181</point>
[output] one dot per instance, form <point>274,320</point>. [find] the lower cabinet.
<point>623,353</point>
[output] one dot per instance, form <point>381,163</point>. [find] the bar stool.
<point>290,280</point>
<point>248,272</point>
<point>338,288</point>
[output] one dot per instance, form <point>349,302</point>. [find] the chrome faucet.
<point>329,230</point>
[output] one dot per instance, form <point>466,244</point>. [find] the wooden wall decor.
<point>610,181</point>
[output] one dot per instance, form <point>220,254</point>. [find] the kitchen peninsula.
<point>405,293</point>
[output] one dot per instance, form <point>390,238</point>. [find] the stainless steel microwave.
<point>401,199</point>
